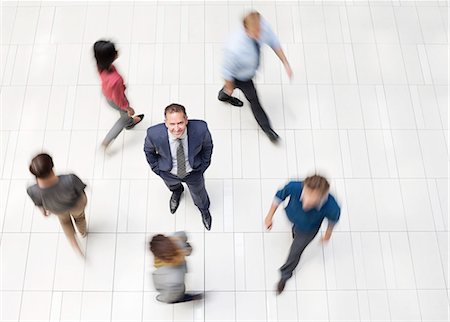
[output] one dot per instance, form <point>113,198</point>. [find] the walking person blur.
<point>309,204</point>
<point>61,195</point>
<point>169,260</point>
<point>241,61</point>
<point>113,89</point>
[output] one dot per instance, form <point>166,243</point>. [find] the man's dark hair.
<point>175,108</point>
<point>41,165</point>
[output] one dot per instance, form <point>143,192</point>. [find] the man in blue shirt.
<point>241,60</point>
<point>309,203</point>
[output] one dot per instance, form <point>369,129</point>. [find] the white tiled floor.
<point>367,107</point>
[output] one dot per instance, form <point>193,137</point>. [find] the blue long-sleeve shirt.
<point>241,57</point>
<point>306,220</point>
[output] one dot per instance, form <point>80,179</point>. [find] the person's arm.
<point>268,221</point>
<point>151,154</point>
<point>272,40</point>
<point>280,53</point>
<point>229,70</point>
<point>120,98</point>
<point>328,232</point>
<point>332,217</point>
<point>279,197</point>
<point>206,151</point>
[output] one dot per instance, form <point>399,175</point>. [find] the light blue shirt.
<point>240,59</point>
<point>173,142</point>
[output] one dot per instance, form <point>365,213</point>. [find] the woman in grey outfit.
<point>169,260</point>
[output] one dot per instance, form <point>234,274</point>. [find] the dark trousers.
<point>249,90</point>
<point>195,183</point>
<point>301,240</point>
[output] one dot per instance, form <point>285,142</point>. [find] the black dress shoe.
<point>175,200</point>
<point>206,218</point>
<point>141,116</point>
<point>280,286</point>
<point>273,136</point>
<point>224,97</point>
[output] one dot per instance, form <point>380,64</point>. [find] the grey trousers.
<point>120,124</point>
<point>196,183</point>
<point>301,240</point>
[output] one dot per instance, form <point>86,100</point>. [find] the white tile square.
<point>10,303</point>
<point>408,154</point>
<point>127,306</point>
<point>408,25</point>
<point>367,64</point>
<point>434,305</point>
<point>250,306</point>
<point>361,205</point>
<point>99,266</point>
<point>360,22</point>
<point>66,24</point>
<point>312,306</point>
<point>343,306</point>
<point>14,249</point>
<point>96,306</point>
<point>25,19</point>
<point>426,259</point>
<point>41,262</point>
<point>129,262</point>
<point>317,62</point>
<point>217,274</point>
<point>385,28</point>
<point>389,205</point>
<point>404,305</point>
<point>35,306</point>
<point>215,301</point>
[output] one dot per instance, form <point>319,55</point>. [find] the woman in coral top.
<point>114,90</point>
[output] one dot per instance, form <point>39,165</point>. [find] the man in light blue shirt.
<point>241,61</point>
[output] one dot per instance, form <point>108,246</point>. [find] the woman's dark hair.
<point>105,53</point>
<point>41,165</point>
<point>163,247</point>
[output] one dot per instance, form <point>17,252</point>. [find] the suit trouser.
<point>249,90</point>
<point>196,184</point>
<point>301,240</point>
<point>120,124</point>
<point>77,212</point>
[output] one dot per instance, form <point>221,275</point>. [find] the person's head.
<point>163,248</point>
<point>105,54</point>
<point>252,24</point>
<point>315,188</point>
<point>41,166</point>
<point>176,119</point>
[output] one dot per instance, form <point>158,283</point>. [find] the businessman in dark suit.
<point>180,151</point>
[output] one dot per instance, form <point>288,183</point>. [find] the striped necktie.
<point>181,160</point>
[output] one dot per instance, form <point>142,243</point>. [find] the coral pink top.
<point>113,87</point>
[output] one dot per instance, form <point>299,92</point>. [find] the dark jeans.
<point>301,240</point>
<point>249,90</point>
<point>195,183</point>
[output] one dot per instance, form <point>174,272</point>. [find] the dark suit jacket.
<point>200,146</point>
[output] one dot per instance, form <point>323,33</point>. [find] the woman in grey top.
<point>61,195</point>
<point>169,260</point>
